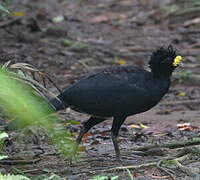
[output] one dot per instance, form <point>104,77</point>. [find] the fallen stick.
<point>171,145</point>
<point>11,161</point>
<point>10,21</point>
<point>184,102</point>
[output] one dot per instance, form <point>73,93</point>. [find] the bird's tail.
<point>58,104</point>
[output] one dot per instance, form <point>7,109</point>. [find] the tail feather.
<point>58,104</point>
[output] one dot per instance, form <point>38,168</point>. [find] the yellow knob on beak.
<point>177,61</point>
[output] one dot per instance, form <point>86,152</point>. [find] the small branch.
<point>165,164</point>
<point>171,145</point>
<point>184,102</point>
<point>10,21</point>
<point>186,170</point>
<point>19,161</point>
<point>177,163</point>
<point>165,170</point>
<point>121,168</point>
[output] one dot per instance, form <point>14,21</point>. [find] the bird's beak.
<point>177,61</point>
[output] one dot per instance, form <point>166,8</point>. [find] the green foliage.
<point>184,76</point>
<point>20,177</point>
<point>3,9</point>
<point>181,7</point>
<point>2,137</point>
<point>23,104</point>
<point>73,122</point>
<point>75,46</point>
<point>172,8</point>
<point>105,178</point>
<point>13,177</point>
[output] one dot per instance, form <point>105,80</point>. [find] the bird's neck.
<point>161,74</point>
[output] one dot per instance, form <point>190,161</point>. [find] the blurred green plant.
<point>184,76</point>
<point>3,135</point>
<point>2,8</point>
<point>21,99</point>
<point>52,176</point>
<point>21,102</point>
<point>13,177</point>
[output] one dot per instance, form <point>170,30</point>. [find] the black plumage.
<point>120,92</point>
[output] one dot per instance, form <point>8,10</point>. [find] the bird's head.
<point>164,61</point>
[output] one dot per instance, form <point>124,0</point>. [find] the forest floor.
<point>68,39</point>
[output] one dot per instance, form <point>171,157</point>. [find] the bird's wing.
<point>102,90</point>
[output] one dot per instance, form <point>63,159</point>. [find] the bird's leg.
<point>87,125</point>
<point>117,122</point>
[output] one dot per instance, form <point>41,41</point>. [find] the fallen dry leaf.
<point>87,136</point>
<point>108,17</point>
<point>186,127</point>
<point>99,19</point>
<point>134,126</point>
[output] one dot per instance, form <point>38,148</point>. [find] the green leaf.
<point>4,9</point>
<point>29,109</point>
<point>58,19</point>
<point>3,135</point>
<point>73,122</point>
<point>13,177</point>
<point>3,157</point>
<point>115,178</point>
<point>144,126</point>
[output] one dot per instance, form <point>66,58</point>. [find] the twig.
<point>165,170</point>
<point>19,161</point>
<point>189,153</point>
<point>33,171</point>
<point>184,102</point>
<point>186,170</point>
<point>129,173</point>
<point>171,145</point>
<point>10,21</point>
<point>121,168</point>
<point>177,163</point>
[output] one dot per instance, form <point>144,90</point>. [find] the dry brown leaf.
<point>107,17</point>
<point>186,127</point>
<point>192,22</point>
<point>99,19</point>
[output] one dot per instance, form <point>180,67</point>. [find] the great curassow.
<point>120,92</point>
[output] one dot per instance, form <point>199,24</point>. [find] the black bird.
<point>120,92</point>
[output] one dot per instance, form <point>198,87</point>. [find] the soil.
<point>68,39</point>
